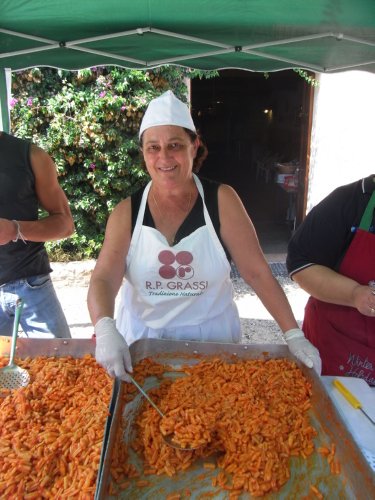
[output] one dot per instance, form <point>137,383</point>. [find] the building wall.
<point>343,132</point>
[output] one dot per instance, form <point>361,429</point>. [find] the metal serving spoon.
<point>167,439</point>
<point>13,376</point>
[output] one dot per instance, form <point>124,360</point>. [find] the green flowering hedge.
<point>88,122</point>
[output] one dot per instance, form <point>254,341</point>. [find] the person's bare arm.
<point>327,285</point>
<point>240,238</point>
<point>111,350</point>
<point>110,267</point>
<point>59,222</point>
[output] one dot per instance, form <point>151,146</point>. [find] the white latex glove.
<point>303,350</point>
<point>112,352</point>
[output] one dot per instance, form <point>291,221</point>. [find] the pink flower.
<point>29,101</point>
<point>13,102</point>
<point>102,94</point>
<point>92,166</point>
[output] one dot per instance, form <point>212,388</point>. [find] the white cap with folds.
<point>167,110</point>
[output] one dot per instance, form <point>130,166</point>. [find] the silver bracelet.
<point>19,235</point>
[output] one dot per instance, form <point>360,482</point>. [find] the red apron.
<point>345,337</point>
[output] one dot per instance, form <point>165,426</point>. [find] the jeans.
<point>42,315</point>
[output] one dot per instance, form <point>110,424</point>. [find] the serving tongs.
<point>13,376</point>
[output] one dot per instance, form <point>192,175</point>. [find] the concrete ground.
<point>71,281</point>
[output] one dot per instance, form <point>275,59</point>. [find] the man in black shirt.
<point>28,180</point>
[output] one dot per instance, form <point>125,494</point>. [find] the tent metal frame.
<point>220,48</point>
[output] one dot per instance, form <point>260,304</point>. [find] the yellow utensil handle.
<point>347,394</point>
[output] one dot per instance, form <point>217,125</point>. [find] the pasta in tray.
<point>51,432</point>
<point>252,415</point>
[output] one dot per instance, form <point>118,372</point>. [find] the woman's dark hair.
<point>202,150</point>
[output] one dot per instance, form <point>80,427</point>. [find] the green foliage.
<point>307,77</point>
<point>88,121</point>
<point>303,74</point>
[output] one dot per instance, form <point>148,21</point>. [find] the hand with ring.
<point>364,299</point>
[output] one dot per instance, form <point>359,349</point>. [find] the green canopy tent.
<point>254,35</point>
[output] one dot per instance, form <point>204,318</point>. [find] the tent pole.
<point>5,79</point>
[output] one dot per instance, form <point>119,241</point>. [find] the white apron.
<point>182,292</point>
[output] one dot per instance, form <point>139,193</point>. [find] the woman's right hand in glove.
<point>112,351</point>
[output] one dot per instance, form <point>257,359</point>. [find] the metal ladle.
<point>167,439</point>
<point>13,376</point>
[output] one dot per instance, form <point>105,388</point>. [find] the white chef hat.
<point>167,110</point>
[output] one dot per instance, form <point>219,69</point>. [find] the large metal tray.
<point>76,348</point>
<point>356,479</point>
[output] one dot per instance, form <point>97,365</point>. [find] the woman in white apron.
<point>179,288</point>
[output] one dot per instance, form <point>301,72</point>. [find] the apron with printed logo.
<point>182,292</point>
<point>345,337</point>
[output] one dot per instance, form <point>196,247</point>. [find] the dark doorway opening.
<point>250,122</point>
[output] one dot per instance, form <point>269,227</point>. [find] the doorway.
<point>250,122</point>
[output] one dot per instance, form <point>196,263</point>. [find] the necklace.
<point>160,212</point>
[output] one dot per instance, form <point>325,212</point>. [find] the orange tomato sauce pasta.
<point>252,415</point>
<point>51,432</point>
